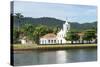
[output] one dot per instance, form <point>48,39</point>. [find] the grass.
<point>34,46</point>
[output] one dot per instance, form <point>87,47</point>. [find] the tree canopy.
<point>34,28</point>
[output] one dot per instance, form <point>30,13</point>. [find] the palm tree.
<point>19,16</point>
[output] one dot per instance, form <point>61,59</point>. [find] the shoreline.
<point>51,47</point>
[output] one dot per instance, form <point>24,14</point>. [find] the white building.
<point>51,38</point>
<point>23,40</point>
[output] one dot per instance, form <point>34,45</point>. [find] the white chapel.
<point>52,38</point>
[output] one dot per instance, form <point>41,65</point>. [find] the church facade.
<point>52,38</point>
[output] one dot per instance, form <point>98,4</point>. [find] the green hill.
<point>53,22</point>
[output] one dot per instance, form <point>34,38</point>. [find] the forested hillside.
<point>53,22</point>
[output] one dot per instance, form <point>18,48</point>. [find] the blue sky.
<point>74,13</point>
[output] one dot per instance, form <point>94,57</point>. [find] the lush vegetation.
<point>33,28</point>
<point>31,31</point>
<point>87,35</point>
<point>51,22</point>
<point>72,36</point>
<point>90,35</point>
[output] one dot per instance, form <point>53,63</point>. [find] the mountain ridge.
<point>52,22</point>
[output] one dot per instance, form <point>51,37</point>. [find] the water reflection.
<point>61,56</point>
<point>47,57</point>
<point>53,57</point>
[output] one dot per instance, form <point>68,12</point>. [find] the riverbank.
<point>19,47</point>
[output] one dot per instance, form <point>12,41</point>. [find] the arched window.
<point>52,41</point>
<point>49,41</point>
<point>61,41</point>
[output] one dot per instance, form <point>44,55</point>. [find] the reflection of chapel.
<point>52,38</point>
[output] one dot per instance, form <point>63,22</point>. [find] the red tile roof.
<point>49,35</point>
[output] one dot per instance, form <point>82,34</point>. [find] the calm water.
<point>54,57</point>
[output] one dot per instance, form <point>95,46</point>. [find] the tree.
<point>25,30</point>
<point>89,35</point>
<point>39,31</point>
<point>16,35</point>
<point>72,36</point>
<point>19,16</point>
<point>56,29</point>
<point>28,30</point>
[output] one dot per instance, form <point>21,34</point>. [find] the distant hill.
<point>84,26</point>
<point>53,22</point>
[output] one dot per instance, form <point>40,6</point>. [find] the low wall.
<point>51,47</point>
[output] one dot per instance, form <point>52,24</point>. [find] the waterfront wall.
<point>52,47</point>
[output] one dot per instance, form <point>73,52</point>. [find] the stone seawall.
<point>51,47</point>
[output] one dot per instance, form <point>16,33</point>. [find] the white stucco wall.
<point>23,41</point>
<point>57,40</point>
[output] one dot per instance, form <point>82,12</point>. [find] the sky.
<point>73,13</point>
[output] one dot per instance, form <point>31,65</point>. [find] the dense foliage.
<point>51,22</point>
<point>33,28</point>
<point>72,36</point>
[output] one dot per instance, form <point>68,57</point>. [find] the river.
<point>54,56</point>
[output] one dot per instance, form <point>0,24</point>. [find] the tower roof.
<point>66,22</point>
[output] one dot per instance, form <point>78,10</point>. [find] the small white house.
<point>23,40</point>
<point>26,41</point>
<point>52,38</point>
